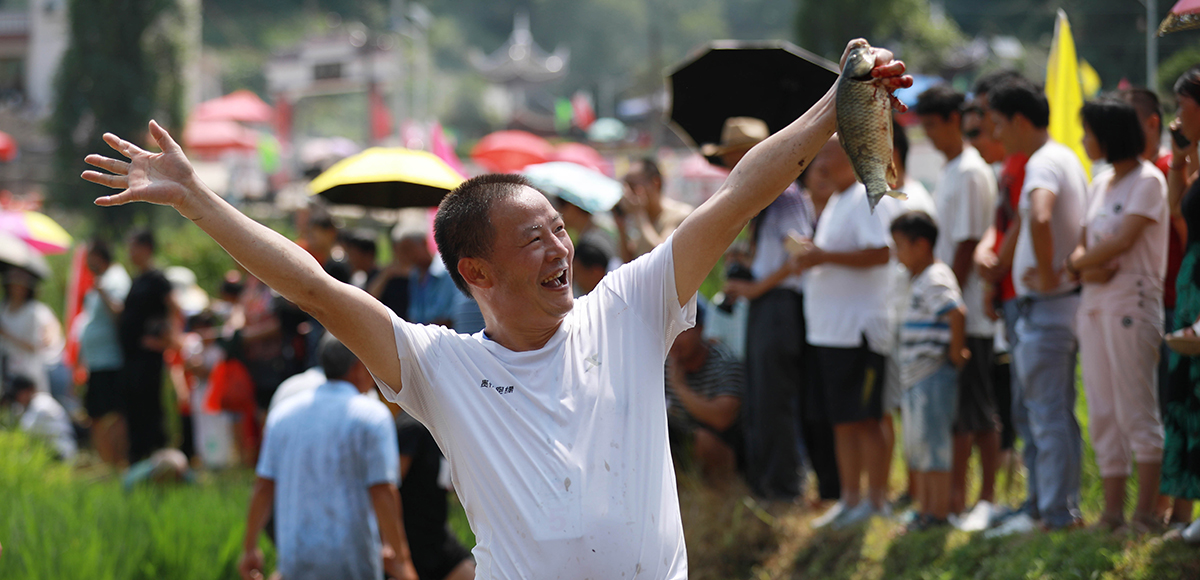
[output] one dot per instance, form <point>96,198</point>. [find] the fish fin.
<point>892,175</point>
<point>897,194</point>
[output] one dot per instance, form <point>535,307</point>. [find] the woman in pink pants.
<point>1122,260</point>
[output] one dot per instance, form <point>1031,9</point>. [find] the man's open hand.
<point>165,178</point>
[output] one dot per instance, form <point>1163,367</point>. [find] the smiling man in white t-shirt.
<point>553,418</point>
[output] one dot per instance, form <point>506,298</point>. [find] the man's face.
<point>531,258</point>
<point>978,130</point>
<point>1005,131</point>
<point>943,133</point>
<point>1189,117</point>
<point>96,264</point>
<point>642,185</point>
<point>831,169</point>
<point>687,343</point>
<point>585,277</point>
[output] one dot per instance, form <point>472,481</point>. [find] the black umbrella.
<point>775,81</point>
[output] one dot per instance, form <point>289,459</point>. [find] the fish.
<point>864,124</point>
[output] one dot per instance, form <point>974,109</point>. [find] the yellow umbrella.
<point>387,177</point>
<point>36,229</point>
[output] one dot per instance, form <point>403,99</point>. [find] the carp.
<point>864,124</point>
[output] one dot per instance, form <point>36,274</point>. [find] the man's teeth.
<point>554,277</point>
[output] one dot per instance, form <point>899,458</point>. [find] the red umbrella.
<point>242,105</point>
<point>1185,15</point>
<point>511,151</point>
<point>581,154</point>
<point>8,147</point>
<point>211,138</point>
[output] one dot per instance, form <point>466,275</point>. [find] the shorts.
<point>851,382</point>
<point>927,414</point>
<point>103,395</point>
<point>976,395</point>
<point>1002,386</point>
<point>435,557</point>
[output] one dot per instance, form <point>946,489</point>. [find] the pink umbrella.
<point>242,105</point>
<point>36,229</point>
<point>211,138</point>
<point>510,151</point>
<point>581,154</point>
<point>1185,15</point>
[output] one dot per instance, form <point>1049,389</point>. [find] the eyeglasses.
<point>972,133</point>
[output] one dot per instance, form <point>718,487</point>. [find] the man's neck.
<point>521,339</point>
<point>953,150</point>
<point>1035,141</point>
<point>654,207</point>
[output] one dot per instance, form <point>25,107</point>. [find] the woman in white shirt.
<point>30,334</point>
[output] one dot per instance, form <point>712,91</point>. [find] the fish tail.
<point>897,194</point>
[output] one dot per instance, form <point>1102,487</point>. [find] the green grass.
<point>782,544</point>
<point>57,523</point>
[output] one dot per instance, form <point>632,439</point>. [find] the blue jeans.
<point>1044,359</point>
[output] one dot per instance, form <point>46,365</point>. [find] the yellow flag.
<point>1089,78</point>
<point>1065,92</point>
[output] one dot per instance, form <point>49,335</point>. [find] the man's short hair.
<point>321,218</point>
<point>1114,122</point>
<point>1144,101</point>
<point>916,224</point>
<point>941,100</point>
<point>1021,97</point>
<point>21,383</point>
<point>987,82</point>
<point>463,226</point>
<point>591,255</point>
<point>650,168</point>
<point>143,237</point>
<point>900,143</point>
<point>99,247</point>
<point>336,359</point>
<point>362,240</point>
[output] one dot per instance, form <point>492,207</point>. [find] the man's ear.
<point>476,272</point>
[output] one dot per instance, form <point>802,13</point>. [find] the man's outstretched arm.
<point>361,322</point>
<point>758,179</point>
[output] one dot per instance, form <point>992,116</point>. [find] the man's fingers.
<point>883,56</point>
<point>107,163</point>
<point>164,140</point>
<point>119,199</point>
<point>122,146</point>
<point>106,179</point>
<point>891,68</point>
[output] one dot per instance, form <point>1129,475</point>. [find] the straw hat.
<point>737,133</point>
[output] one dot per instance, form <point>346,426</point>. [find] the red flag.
<point>79,281</point>
<point>583,114</point>
<point>381,117</point>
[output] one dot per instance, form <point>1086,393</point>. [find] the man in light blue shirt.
<point>329,467</point>
<point>431,292</point>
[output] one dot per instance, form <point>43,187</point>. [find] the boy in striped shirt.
<point>932,349</point>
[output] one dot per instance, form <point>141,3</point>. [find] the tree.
<point>120,70</point>
<point>909,27</point>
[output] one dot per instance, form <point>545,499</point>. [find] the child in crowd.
<point>932,348</point>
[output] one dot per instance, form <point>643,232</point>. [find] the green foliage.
<point>118,72</point>
<point>908,26</point>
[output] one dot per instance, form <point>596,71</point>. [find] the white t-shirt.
<point>37,326</point>
<point>47,419</point>
<point>919,198</point>
<point>966,202</point>
<point>1137,288</point>
<point>1056,168</point>
<point>841,304</point>
<point>560,455</point>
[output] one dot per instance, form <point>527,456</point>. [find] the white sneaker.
<point>830,514</point>
<point>855,515</point>
<point>976,520</point>
<point>1018,524</point>
<point>1191,534</point>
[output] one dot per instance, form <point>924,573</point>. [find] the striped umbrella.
<point>36,229</point>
